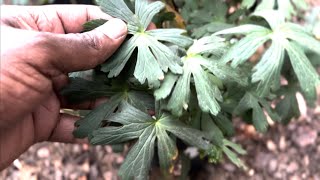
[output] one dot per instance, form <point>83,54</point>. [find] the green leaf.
<point>245,29</point>
<point>147,67</point>
<point>274,18</point>
<point>304,70</point>
<point>268,70</point>
<point>138,160</point>
<point>196,68</point>
<point>167,150</point>
<point>207,92</point>
<point>291,8</point>
<point>189,135</point>
<point>171,35</point>
<point>234,146</point>
<point>146,11</point>
<point>210,28</point>
<point>288,107</point>
<point>247,3</point>
<point>208,45</point>
<point>232,155</point>
<point>166,87</point>
<point>301,36</point>
<point>91,25</point>
<point>228,74</point>
<point>118,9</point>
<point>250,102</point>
<point>224,124</point>
<point>117,62</point>
<point>136,124</point>
<point>208,126</point>
<point>140,99</point>
<point>244,49</point>
<point>181,94</point>
<point>80,90</point>
<point>154,58</point>
<point>266,4</point>
<point>85,126</point>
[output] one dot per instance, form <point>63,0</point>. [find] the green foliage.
<point>150,131</point>
<point>285,37</point>
<point>154,58</point>
<point>93,24</point>
<point>167,89</point>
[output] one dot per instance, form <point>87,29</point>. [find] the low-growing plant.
<point>180,85</point>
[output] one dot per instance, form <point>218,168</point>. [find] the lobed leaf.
<point>118,9</point>
<point>267,72</point>
<point>304,70</point>
<point>146,11</point>
<point>171,35</point>
<point>166,87</point>
<point>244,49</point>
<point>250,102</point>
<point>147,67</point>
<point>245,29</point>
<point>208,93</point>
<point>136,124</point>
<point>80,90</point>
<point>85,126</point>
<point>117,62</point>
<point>274,18</point>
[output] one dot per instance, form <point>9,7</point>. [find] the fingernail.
<point>114,28</point>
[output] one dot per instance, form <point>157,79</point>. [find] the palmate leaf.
<point>228,146</point>
<point>307,75</point>
<point>154,58</point>
<point>80,90</point>
<point>288,107</point>
<point>149,131</point>
<point>199,69</point>
<point>288,8</point>
<point>251,102</point>
<point>205,17</point>
<point>92,121</point>
<point>283,36</point>
<point>268,70</point>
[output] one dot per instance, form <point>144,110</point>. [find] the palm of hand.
<point>31,78</point>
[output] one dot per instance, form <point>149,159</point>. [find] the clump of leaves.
<point>288,8</point>
<point>167,91</point>
<point>154,58</point>
<point>285,36</point>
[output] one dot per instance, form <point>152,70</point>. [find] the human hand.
<point>39,47</point>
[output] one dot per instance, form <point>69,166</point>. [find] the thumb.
<point>75,52</point>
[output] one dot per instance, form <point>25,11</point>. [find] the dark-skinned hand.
<point>39,47</point>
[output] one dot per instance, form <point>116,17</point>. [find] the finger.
<point>74,16</point>
<point>63,131</point>
<point>83,106</point>
<point>51,18</point>
<point>77,52</point>
<point>60,82</point>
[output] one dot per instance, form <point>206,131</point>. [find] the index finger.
<point>72,17</point>
<point>51,18</point>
